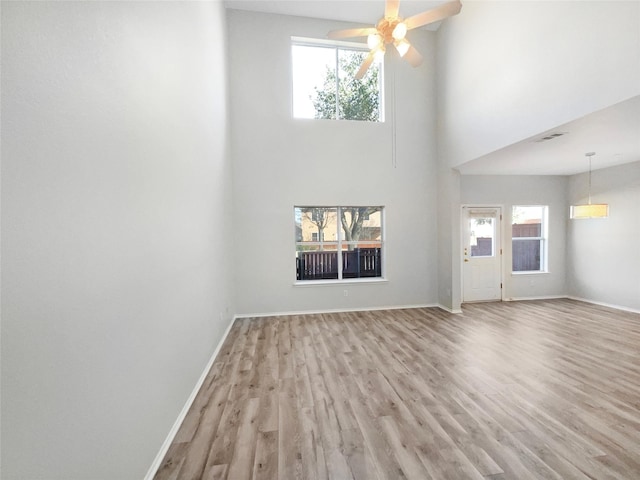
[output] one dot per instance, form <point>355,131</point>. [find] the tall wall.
<point>115,228</point>
<point>280,162</point>
<point>603,254</point>
<point>510,190</point>
<point>511,70</point>
<point>507,71</point>
<point>448,228</point>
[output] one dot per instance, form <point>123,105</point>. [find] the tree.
<point>353,222</point>
<point>351,218</point>
<point>319,216</point>
<point>357,99</point>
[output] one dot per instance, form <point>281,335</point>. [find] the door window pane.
<point>481,236</point>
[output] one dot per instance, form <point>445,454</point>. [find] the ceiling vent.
<point>550,136</point>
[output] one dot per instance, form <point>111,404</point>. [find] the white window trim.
<point>346,281</point>
<point>319,42</point>
<point>339,243</point>
<point>544,246</point>
<point>340,44</point>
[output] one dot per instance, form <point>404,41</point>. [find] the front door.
<point>481,255</point>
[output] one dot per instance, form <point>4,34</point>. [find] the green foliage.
<point>357,99</point>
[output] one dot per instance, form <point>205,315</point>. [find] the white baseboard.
<point>540,297</point>
<point>450,310</point>
<point>604,304</point>
<point>183,413</point>
<point>336,310</point>
<point>176,426</point>
<point>571,297</point>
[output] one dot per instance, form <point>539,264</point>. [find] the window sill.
<point>305,119</point>
<point>350,281</point>
<point>517,274</point>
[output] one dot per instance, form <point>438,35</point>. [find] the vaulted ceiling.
<point>613,133</point>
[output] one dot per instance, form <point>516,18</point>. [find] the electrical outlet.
<point>346,293</point>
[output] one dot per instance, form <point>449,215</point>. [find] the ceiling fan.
<point>392,29</point>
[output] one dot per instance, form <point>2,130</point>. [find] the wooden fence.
<point>526,256</point>
<point>356,263</point>
<point>526,253</point>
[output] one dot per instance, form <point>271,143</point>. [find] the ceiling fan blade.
<point>413,56</point>
<point>365,66</point>
<point>434,15</point>
<point>391,8</point>
<point>352,32</point>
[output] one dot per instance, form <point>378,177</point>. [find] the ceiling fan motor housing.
<point>386,27</point>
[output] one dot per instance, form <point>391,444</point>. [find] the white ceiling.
<point>613,133</point>
<point>353,11</point>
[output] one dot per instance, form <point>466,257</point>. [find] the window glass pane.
<point>312,68</point>
<point>361,224</point>
<point>481,236</point>
<point>322,254</point>
<point>316,224</point>
<point>316,262</point>
<point>527,221</point>
<point>358,99</point>
<point>526,255</point>
<point>528,231</point>
<point>324,84</point>
<point>362,262</point>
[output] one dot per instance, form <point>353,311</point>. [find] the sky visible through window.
<point>309,67</point>
<point>324,84</point>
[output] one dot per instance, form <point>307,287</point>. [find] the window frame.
<point>543,239</point>
<point>340,243</point>
<point>338,45</point>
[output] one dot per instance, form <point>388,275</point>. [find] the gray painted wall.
<point>555,67</point>
<point>115,221</point>
<point>511,70</point>
<point>603,254</point>
<point>526,190</point>
<point>280,162</point>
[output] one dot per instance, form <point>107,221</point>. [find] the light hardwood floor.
<point>526,390</point>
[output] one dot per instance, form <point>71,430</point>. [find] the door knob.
<point>466,259</point>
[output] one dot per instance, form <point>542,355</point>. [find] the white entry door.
<point>482,254</point>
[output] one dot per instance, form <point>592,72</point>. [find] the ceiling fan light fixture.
<point>392,29</point>
<point>373,40</point>
<point>399,31</point>
<point>402,46</point>
<point>589,210</point>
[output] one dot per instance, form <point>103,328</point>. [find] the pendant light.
<point>590,210</point>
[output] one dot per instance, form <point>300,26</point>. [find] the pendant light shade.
<point>590,210</point>
<point>593,210</point>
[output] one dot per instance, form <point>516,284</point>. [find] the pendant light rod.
<point>589,210</point>
<point>589,155</point>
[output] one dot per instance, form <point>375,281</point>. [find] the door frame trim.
<point>501,210</point>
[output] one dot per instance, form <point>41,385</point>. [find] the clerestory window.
<point>324,83</point>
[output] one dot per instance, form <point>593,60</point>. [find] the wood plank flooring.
<point>521,390</point>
